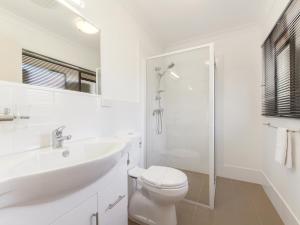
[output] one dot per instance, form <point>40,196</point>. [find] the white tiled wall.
<point>48,108</point>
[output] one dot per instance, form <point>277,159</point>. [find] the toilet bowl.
<point>158,189</point>
<point>154,191</point>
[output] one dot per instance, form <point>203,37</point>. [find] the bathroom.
<point>118,112</point>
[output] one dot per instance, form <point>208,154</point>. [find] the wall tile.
<point>6,139</point>
<point>81,113</point>
<point>6,129</point>
<point>31,137</point>
<point>36,103</point>
<point>5,98</point>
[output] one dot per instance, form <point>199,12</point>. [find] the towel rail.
<point>289,130</point>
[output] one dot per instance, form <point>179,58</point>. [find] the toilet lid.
<point>164,177</point>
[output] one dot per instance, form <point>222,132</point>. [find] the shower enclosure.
<point>180,117</point>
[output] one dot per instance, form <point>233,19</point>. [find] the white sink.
<point>47,173</point>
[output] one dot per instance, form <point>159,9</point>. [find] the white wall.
<point>122,40</point>
<point>11,64</point>
<point>282,184</point>
<point>238,122</point>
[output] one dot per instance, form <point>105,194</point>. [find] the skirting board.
<point>285,212</point>
<point>259,177</point>
<point>242,174</point>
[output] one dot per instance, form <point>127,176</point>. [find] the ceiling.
<point>177,20</point>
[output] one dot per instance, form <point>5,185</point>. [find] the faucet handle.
<point>69,137</point>
<point>59,130</point>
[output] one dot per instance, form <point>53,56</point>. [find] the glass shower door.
<point>179,114</point>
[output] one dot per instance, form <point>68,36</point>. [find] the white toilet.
<point>156,191</point>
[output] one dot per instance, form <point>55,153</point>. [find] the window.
<point>48,72</point>
<point>281,94</point>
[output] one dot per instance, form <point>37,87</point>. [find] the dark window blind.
<point>48,72</point>
<point>281,82</point>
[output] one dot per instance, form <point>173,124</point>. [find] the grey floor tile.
<point>198,187</point>
<point>236,203</point>
<point>203,216</point>
<point>132,223</point>
<point>265,210</point>
<point>185,213</point>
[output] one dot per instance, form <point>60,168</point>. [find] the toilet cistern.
<point>58,138</point>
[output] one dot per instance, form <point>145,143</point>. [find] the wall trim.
<point>242,174</point>
<point>280,204</point>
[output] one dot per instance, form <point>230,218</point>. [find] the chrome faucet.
<point>58,138</point>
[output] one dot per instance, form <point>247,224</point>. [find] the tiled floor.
<point>198,187</point>
<point>237,203</point>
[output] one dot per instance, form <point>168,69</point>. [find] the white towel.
<point>289,152</point>
<point>281,146</point>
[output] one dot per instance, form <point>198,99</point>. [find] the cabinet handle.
<point>112,205</point>
<point>96,215</point>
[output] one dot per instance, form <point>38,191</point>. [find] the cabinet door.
<point>113,198</point>
<point>84,214</point>
<point>117,215</point>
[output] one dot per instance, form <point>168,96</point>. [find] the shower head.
<point>171,66</point>
<point>161,74</point>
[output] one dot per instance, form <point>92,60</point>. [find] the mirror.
<point>44,43</point>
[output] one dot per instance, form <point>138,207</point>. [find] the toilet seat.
<point>164,178</point>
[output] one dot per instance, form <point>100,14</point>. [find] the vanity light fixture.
<point>86,27</point>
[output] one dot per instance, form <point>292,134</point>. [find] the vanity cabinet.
<point>108,206</point>
<point>84,214</point>
<point>106,198</point>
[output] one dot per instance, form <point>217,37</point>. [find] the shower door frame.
<point>212,171</point>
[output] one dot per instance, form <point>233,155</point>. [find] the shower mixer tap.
<point>157,111</point>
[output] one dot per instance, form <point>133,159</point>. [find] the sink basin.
<point>46,173</point>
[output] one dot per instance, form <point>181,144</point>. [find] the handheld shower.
<point>171,66</point>
<point>158,113</point>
